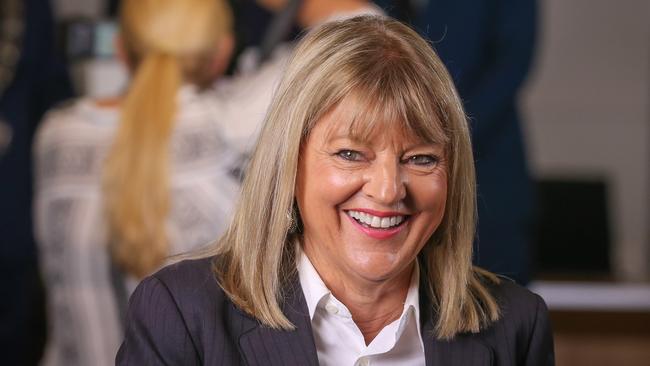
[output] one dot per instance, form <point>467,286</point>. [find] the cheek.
<point>321,189</point>
<point>430,196</point>
<point>330,185</point>
<point>338,185</point>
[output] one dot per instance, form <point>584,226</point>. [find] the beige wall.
<point>587,111</point>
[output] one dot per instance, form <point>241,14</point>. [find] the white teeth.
<point>376,221</point>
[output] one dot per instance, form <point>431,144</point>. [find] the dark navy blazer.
<point>180,316</point>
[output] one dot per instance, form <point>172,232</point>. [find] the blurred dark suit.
<point>487,46</point>
<point>40,80</point>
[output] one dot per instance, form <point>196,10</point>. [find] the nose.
<point>385,182</point>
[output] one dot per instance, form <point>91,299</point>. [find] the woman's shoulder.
<point>190,280</point>
<point>190,287</point>
<point>513,297</point>
<point>523,330</point>
<point>519,307</point>
<point>82,109</point>
<point>72,118</point>
<point>178,315</point>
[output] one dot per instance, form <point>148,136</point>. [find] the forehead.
<point>378,123</point>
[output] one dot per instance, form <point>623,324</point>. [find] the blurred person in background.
<point>488,47</point>
<point>33,78</point>
<point>122,183</point>
<point>259,68</point>
<point>305,14</point>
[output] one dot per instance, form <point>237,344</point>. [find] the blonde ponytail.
<point>137,170</point>
<point>168,42</point>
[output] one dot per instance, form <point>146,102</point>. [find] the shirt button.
<point>363,361</point>
<point>332,309</point>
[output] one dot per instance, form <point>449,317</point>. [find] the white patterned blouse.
<point>212,132</point>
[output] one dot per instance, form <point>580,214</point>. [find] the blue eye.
<point>422,160</point>
<point>350,155</point>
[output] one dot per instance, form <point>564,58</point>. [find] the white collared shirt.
<point>339,341</point>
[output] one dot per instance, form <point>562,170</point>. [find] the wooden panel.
<point>601,338</point>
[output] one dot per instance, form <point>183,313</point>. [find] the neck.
<point>371,317</point>
<point>373,304</point>
<point>313,12</point>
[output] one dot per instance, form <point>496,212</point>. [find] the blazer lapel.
<point>261,345</point>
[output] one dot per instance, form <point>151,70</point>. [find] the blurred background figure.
<point>124,182</point>
<point>291,17</point>
<point>488,48</point>
<point>32,79</point>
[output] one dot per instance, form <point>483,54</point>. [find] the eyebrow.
<point>418,144</point>
<point>334,137</point>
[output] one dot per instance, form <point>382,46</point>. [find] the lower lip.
<point>377,233</point>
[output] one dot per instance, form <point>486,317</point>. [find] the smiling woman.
<point>368,207</point>
<point>352,239</point>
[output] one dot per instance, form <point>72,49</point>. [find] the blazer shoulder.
<point>185,272</point>
<point>522,335</point>
<point>159,327</point>
<point>520,308</point>
<point>179,315</point>
<point>192,284</point>
<point>511,296</point>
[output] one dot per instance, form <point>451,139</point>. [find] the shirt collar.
<point>312,285</point>
<point>412,304</point>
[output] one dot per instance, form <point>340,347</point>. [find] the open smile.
<point>378,225</point>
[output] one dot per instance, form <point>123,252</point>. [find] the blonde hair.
<point>167,42</point>
<point>397,82</point>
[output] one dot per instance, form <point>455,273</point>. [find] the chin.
<point>374,266</point>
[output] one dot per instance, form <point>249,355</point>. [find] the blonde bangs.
<point>371,117</point>
<point>389,96</point>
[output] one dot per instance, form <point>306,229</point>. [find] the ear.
<point>221,59</point>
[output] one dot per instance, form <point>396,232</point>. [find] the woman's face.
<point>368,207</point>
